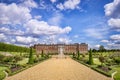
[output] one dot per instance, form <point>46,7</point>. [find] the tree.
<point>73,55</point>
<point>78,55</point>
<point>101,48</point>
<point>102,60</point>
<point>90,57</point>
<point>31,61</point>
<point>42,54</point>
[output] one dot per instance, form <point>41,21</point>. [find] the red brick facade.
<point>67,48</point>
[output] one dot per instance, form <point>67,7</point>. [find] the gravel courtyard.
<point>58,69</point>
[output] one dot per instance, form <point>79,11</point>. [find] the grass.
<point>24,61</point>
<point>2,74</point>
<point>117,75</point>
<point>96,61</point>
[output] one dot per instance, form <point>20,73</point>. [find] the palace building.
<point>66,48</point>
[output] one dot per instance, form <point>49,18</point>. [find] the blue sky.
<point>28,22</point>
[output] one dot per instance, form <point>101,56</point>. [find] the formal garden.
<point>106,62</point>
<point>14,59</point>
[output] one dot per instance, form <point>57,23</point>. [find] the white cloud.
<point>97,46</point>
<point>42,28</point>
<point>38,17</point>
<point>93,46</point>
<point>2,37</point>
<point>56,19</point>
<point>114,23</point>
<point>69,4</point>
<point>60,6</point>
<point>95,33</point>
<point>26,40</point>
<point>113,46</point>
<point>13,14</point>
<point>115,37</point>
<point>104,41</point>
<point>11,32</point>
<point>53,1</point>
<point>113,9</point>
<point>76,36</point>
<point>29,4</point>
<point>64,40</point>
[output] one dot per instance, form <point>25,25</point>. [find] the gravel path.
<point>59,69</point>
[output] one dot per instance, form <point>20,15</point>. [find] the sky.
<point>29,22</point>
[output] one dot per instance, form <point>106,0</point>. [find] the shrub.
<point>90,57</point>
<point>1,57</point>
<point>73,55</point>
<point>8,59</point>
<point>102,60</point>
<point>78,55</point>
<point>117,60</point>
<point>17,58</point>
<point>31,60</point>
<point>42,54</point>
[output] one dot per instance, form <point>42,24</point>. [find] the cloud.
<point>60,6</point>
<point>11,32</point>
<point>114,23</point>
<point>13,14</point>
<point>37,17</point>
<point>29,4</point>
<point>95,33</point>
<point>2,37</point>
<point>97,46</point>
<point>104,41</point>
<point>53,1</point>
<point>42,28</point>
<point>115,37</point>
<point>69,4</point>
<point>113,46</point>
<point>25,40</point>
<point>76,36</point>
<point>19,27</point>
<point>64,40</point>
<point>56,19</point>
<point>113,9</point>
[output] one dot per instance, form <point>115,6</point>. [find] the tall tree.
<point>78,55</point>
<point>90,57</point>
<point>102,59</point>
<point>101,48</point>
<point>31,61</point>
<point>42,54</point>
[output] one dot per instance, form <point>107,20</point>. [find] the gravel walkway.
<point>59,69</point>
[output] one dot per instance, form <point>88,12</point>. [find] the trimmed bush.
<point>90,57</point>
<point>31,60</point>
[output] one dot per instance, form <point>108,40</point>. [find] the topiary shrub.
<point>90,57</point>
<point>31,60</point>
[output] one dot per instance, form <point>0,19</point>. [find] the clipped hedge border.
<point>28,66</point>
<point>94,68</point>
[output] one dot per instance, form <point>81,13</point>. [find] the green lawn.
<point>24,61</point>
<point>117,75</point>
<point>96,61</point>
